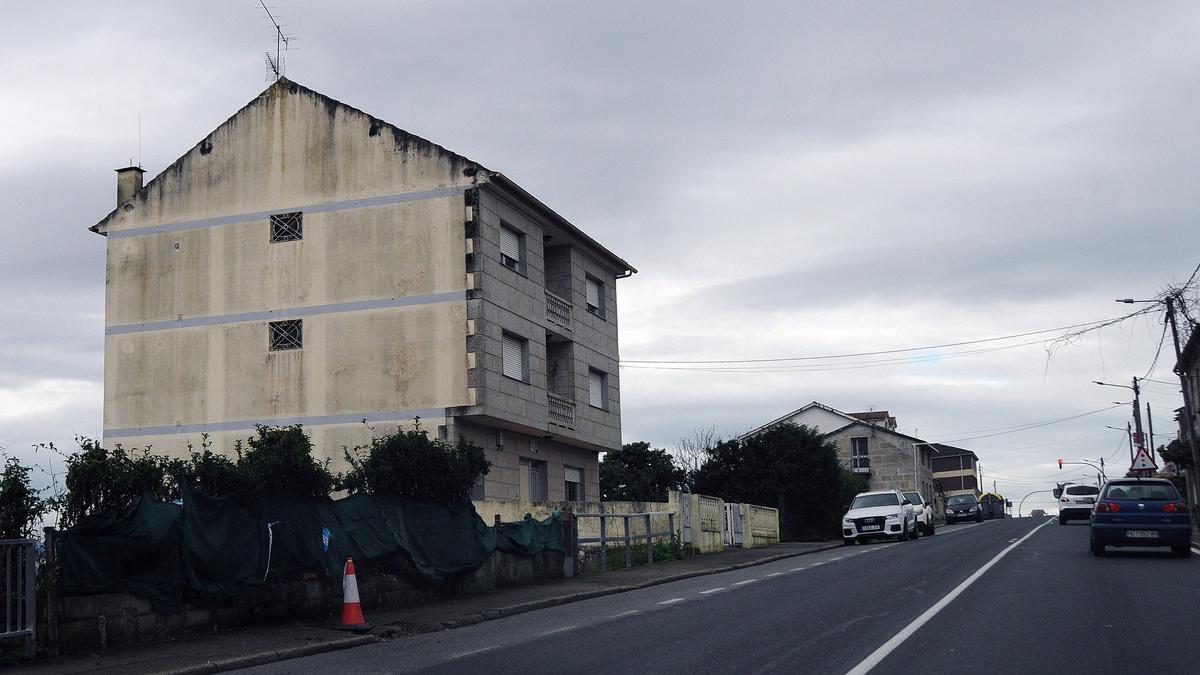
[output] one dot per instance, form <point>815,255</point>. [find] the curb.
<point>251,660</point>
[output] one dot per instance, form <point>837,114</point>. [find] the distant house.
<point>956,470</point>
<point>869,445</point>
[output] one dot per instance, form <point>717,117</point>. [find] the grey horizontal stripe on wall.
<point>288,313</point>
<point>241,425</point>
<point>310,208</point>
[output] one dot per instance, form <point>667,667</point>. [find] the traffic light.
<point>1060,465</point>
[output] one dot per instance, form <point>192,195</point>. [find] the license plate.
<point>1142,534</point>
<point>869,528</point>
<point>1088,500</point>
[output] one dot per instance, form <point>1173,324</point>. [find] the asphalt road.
<point>1003,596</point>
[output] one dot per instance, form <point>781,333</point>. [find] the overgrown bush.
<point>211,473</point>
<point>21,507</point>
<point>410,463</point>
<point>277,461</point>
<point>99,480</point>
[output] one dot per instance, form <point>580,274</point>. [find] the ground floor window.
<point>574,484</point>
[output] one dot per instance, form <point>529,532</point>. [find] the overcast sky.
<point>790,180</point>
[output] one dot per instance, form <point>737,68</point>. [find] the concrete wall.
<point>505,448</point>
<point>193,279</point>
<point>97,622</point>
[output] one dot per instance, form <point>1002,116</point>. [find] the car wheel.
<point>1097,548</point>
<point>931,530</point>
<point>1062,521</point>
<point>847,542</point>
<point>903,532</point>
<point>916,533</point>
<point>1184,551</point>
<point>979,518</point>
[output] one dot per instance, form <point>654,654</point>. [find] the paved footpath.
<point>268,643</point>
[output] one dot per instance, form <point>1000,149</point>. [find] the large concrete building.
<point>869,446</point>
<point>308,263</point>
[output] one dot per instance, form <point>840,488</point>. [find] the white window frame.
<point>597,388</point>
<point>860,456</point>
<point>514,346</point>
<point>512,248</point>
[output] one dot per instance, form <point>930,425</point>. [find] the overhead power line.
<point>961,343</point>
<point>1035,425</point>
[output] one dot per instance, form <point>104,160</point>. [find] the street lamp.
<point>1128,433</point>
<point>1137,410</point>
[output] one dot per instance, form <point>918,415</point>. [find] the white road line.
<point>742,583</point>
<point>473,651</point>
<point>834,559</point>
<point>712,590</point>
<point>819,562</point>
<point>775,574</point>
<point>671,601</point>
<point>557,630</point>
<point>888,647</point>
<point>800,569</point>
<point>617,616</point>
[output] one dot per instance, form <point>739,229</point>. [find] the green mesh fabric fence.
<point>210,547</point>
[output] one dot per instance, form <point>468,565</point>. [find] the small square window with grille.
<point>287,226</point>
<point>287,335</point>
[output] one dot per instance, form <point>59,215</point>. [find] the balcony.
<point>562,410</point>
<point>558,311</point>
<point>860,465</point>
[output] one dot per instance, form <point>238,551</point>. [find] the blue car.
<point>1141,512</point>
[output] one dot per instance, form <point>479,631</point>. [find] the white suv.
<point>880,514</point>
<point>922,511</point>
<point>1076,502</point>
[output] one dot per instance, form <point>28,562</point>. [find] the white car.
<point>1076,502</point>
<point>877,515</point>
<point>921,511</point>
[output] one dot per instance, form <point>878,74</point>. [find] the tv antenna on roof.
<point>275,66</point>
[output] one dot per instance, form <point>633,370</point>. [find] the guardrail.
<point>562,410</point>
<point>628,540</point>
<point>20,589</point>
<point>558,310</point>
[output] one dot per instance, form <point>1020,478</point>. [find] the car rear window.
<point>1083,490</point>
<point>1142,491</point>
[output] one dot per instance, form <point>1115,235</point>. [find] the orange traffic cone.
<point>352,616</point>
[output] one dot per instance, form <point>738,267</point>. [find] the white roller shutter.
<point>510,246</point>
<point>573,475</point>
<point>593,294</point>
<point>511,353</point>
<point>596,388</point>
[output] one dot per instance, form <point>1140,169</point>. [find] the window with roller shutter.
<point>512,354</point>
<point>595,296</point>
<point>511,248</point>
<point>573,488</point>
<point>597,388</point>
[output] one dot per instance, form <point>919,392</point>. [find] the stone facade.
<point>897,462</point>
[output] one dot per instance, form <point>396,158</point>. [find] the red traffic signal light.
<point>1060,464</point>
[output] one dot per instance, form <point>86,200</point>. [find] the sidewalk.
<point>266,643</point>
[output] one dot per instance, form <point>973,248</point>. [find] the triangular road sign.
<point>1143,462</point>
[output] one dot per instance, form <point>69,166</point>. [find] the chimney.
<point>129,181</point>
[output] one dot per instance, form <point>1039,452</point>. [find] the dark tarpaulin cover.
<point>135,550</point>
<point>213,545</point>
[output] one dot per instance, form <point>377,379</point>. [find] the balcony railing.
<point>860,464</point>
<point>562,410</point>
<point>558,310</point>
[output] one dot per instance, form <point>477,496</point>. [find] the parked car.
<point>1141,512</point>
<point>922,512</point>
<point>877,515</point>
<point>963,507</point>
<point>1038,513</point>
<point>1076,502</point>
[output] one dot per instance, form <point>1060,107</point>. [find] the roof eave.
<point>507,183</point>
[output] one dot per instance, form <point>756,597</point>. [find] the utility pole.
<point>1137,415</point>
<point>1150,428</point>
<point>1129,433</point>
<point>1188,424</point>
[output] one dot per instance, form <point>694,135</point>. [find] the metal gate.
<point>17,574</point>
<point>685,521</point>
<point>732,530</point>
